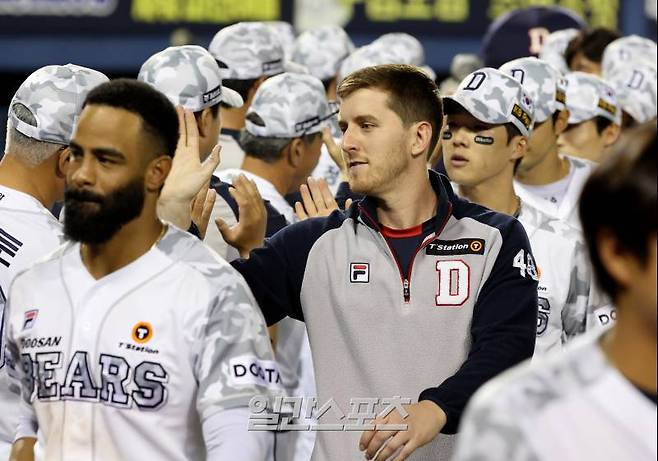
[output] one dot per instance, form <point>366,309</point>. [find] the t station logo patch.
<point>455,247</point>
<point>142,332</point>
<point>360,272</point>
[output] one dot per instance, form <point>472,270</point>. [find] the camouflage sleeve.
<point>574,312</point>
<point>234,359</point>
<point>489,433</point>
<point>600,310</point>
<point>19,374</point>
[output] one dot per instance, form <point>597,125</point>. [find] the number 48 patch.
<point>526,265</point>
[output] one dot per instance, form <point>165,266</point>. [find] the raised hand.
<point>317,199</point>
<point>249,232</point>
<point>202,208</point>
<point>188,175</point>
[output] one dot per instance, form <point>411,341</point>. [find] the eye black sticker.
<point>488,140</point>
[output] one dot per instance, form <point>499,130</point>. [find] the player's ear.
<point>204,121</point>
<point>63,157</point>
<point>519,147</point>
<point>295,152</point>
<point>421,136</point>
<point>611,134</point>
<point>156,173</point>
<point>618,262</point>
<point>561,122</point>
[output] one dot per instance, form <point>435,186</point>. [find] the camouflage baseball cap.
<point>543,82</point>
<point>189,76</point>
<point>289,105</point>
<point>407,48</point>
<point>285,32</point>
<point>495,98</point>
<point>247,50</point>
<point>552,51</point>
<point>636,91</point>
<point>54,95</point>
<point>589,96</point>
<point>322,50</point>
<point>626,51</point>
<point>367,56</point>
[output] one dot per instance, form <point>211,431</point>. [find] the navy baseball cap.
<point>509,36</point>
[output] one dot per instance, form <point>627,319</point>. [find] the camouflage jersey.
<point>131,364</point>
<point>570,406</point>
<point>569,303</point>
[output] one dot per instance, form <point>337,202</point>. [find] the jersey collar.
<point>366,210</point>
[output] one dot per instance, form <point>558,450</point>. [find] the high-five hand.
<point>188,174</point>
<point>249,232</point>
<point>317,200</point>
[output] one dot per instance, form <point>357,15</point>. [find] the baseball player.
<point>282,141</point>
<point>594,117</point>
<point>554,46</point>
<point>42,114</point>
<point>597,399</point>
<point>248,53</point>
<point>628,50</point>
<point>488,122</point>
<point>283,137</point>
<point>126,349</point>
<point>585,51</point>
<point>545,179</point>
<point>409,282</point>
<point>190,77</point>
<point>321,51</point>
<point>629,65</point>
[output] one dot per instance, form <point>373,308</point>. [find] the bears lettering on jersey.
<point>118,384</point>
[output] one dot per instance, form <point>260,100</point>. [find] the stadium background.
<point>116,36</point>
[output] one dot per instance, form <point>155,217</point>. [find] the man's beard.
<point>379,176</point>
<point>109,214</point>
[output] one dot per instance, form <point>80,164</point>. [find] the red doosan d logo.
<point>359,272</point>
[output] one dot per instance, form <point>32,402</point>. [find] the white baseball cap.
<point>589,96</point>
<point>493,97</point>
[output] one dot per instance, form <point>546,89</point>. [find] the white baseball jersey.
<point>569,406</point>
<point>293,350</point>
<point>28,231</point>
<point>265,188</point>
<point>568,300</point>
<point>567,209</point>
<point>131,365</point>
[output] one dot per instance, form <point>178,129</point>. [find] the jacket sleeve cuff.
<point>433,394</point>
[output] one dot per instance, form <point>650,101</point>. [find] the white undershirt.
<point>553,192</point>
<point>266,190</point>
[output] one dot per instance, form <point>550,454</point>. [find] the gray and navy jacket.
<point>466,311</point>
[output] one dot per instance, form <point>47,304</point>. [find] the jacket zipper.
<point>406,281</point>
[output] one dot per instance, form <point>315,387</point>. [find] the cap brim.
<point>294,67</point>
<point>231,97</point>
<point>455,104</point>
